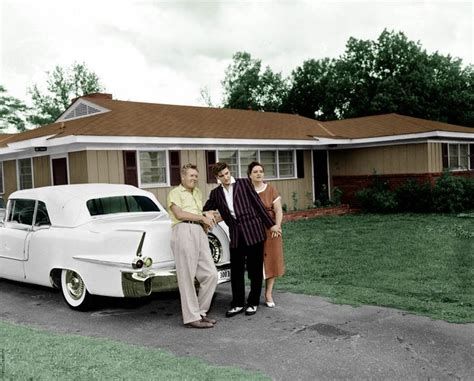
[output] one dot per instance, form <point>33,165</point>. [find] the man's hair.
<point>219,166</point>
<point>252,165</point>
<point>185,168</point>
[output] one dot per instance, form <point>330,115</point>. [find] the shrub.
<point>378,198</point>
<point>337,195</point>
<point>449,194</point>
<point>414,196</point>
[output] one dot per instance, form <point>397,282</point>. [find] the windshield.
<point>121,204</point>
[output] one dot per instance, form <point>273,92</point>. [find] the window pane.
<point>230,157</point>
<point>25,173</point>
<point>246,157</point>
<point>268,160</point>
<point>463,156</point>
<point>121,204</point>
<point>453,155</point>
<point>153,167</point>
<point>42,217</point>
<point>22,211</point>
<point>286,163</point>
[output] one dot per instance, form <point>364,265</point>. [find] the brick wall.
<point>351,184</point>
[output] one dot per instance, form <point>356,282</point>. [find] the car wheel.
<point>219,245</point>
<point>74,291</point>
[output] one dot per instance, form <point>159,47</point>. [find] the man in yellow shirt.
<point>190,248</point>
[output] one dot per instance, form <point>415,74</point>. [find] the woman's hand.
<point>276,231</point>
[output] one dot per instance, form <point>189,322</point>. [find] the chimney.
<point>94,95</point>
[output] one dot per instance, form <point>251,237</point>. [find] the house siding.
<point>105,167</point>
<point>42,171</point>
<point>9,178</point>
<point>397,159</point>
<point>78,167</point>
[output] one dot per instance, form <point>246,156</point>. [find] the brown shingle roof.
<point>388,125</point>
<point>159,120</point>
<point>148,119</point>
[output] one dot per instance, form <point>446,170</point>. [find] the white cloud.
<point>163,51</point>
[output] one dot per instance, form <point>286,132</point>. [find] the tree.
<point>246,87</point>
<point>12,112</point>
<point>393,74</point>
<point>311,93</point>
<point>62,85</point>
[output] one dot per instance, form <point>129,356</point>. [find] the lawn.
<point>31,354</point>
<point>419,263</point>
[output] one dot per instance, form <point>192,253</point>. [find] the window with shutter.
<point>175,168</point>
<point>210,161</point>
<point>130,167</point>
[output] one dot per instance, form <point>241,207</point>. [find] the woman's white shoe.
<point>270,304</point>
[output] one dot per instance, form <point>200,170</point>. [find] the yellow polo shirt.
<point>187,201</point>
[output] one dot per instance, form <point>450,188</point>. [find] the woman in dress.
<point>273,265</point>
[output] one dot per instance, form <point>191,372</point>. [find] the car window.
<point>121,204</point>
<point>22,211</point>
<point>42,217</point>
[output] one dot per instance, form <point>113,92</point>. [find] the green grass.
<point>31,354</point>
<point>419,263</point>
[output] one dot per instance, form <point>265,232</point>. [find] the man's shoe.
<point>199,324</point>
<point>208,319</point>
<point>251,310</point>
<point>234,311</point>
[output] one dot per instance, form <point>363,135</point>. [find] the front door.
<point>60,171</point>
<point>320,168</point>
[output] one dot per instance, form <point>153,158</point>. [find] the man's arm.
<point>211,203</point>
<point>187,216</point>
<point>258,204</point>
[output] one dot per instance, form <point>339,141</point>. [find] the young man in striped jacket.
<point>243,212</point>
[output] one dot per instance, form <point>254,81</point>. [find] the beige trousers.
<point>193,259</point>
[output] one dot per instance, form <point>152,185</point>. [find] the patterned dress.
<point>273,265</point>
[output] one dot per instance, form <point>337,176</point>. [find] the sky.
<point>167,51</point>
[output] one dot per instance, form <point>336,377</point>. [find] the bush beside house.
<point>449,194</point>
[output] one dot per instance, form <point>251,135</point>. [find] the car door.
<point>14,234</point>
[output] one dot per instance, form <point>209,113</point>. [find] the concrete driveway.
<point>303,338</point>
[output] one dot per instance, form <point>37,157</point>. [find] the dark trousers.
<point>253,257</point>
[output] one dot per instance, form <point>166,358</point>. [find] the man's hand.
<point>208,222</point>
<point>210,215</point>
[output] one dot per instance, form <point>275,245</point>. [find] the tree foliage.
<point>386,75</point>
<point>12,112</point>
<point>247,87</point>
<point>62,85</point>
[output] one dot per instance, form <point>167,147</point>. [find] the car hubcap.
<point>216,248</point>
<point>74,284</point>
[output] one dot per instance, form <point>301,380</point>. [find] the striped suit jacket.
<point>252,218</point>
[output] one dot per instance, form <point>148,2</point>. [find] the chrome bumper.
<point>139,284</point>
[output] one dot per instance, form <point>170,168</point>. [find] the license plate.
<point>223,275</point>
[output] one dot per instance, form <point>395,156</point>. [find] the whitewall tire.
<point>74,290</point>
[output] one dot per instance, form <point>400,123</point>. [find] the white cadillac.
<point>94,239</point>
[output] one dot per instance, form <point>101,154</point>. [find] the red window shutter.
<point>471,157</point>
<point>444,148</point>
<point>175,168</point>
<point>130,167</point>
<point>300,164</point>
<point>210,161</point>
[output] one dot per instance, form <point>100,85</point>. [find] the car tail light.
<point>137,263</point>
<point>147,261</point>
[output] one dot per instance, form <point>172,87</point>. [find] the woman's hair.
<point>219,166</point>
<point>252,165</point>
